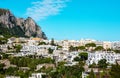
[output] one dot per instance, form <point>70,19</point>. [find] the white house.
<point>111,57</point>
<point>4,48</point>
<point>84,75</point>
<point>40,50</point>
<point>107,45</point>
<point>116,45</point>
<point>37,75</point>
<point>12,77</point>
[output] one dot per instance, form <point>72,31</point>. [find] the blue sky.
<point>71,19</point>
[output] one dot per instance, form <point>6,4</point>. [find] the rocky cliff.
<point>18,26</point>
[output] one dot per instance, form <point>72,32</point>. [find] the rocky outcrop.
<point>19,26</point>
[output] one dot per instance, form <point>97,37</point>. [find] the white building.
<point>85,75</point>
<point>67,43</point>
<point>32,42</point>
<point>86,41</point>
<point>4,48</point>
<point>111,57</point>
<point>107,45</point>
<point>116,45</point>
<point>37,75</point>
<point>40,50</point>
<point>12,77</point>
<point>71,56</point>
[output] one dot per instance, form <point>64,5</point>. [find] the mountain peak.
<point>4,11</point>
<point>18,26</point>
<point>29,18</point>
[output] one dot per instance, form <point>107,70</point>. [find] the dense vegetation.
<point>102,63</point>
<point>17,48</point>
<point>67,71</point>
<point>50,51</point>
<point>9,32</point>
<point>82,57</point>
<point>3,40</point>
<point>4,31</point>
<point>29,62</point>
<point>13,71</point>
<point>115,71</point>
<point>42,43</point>
<point>99,48</point>
<point>117,51</point>
<point>60,71</point>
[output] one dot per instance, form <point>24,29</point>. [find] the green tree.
<point>93,65</point>
<point>59,47</point>
<point>8,47</point>
<point>1,68</point>
<point>42,43</point>
<point>83,56</point>
<point>71,48</point>
<point>99,48</point>
<point>2,76</point>
<point>67,72</point>
<point>18,48</point>
<point>92,75</point>
<point>115,71</point>
<point>3,40</point>
<point>52,42</point>
<point>23,74</point>
<point>109,49</point>
<point>4,56</point>
<point>11,71</point>
<point>50,51</point>
<point>81,47</point>
<point>77,59</point>
<point>90,45</point>
<point>117,51</point>
<point>102,63</point>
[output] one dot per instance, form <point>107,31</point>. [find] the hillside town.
<point>50,39</point>
<point>46,56</point>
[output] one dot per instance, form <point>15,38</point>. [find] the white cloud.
<point>44,8</point>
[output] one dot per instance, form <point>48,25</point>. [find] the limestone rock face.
<point>19,26</point>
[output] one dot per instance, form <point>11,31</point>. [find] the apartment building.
<point>116,45</point>
<point>107,45</point>
<point>40,50</point>
<point>37,75</point>
<point>111,57</point>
